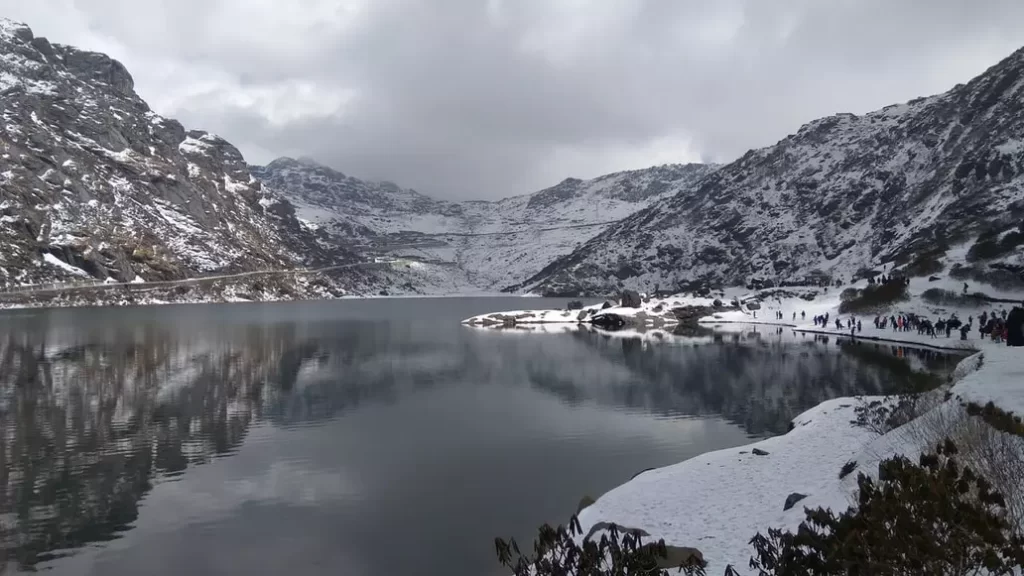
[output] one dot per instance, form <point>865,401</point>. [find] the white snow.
<point>1011,147</point>
<point>717,501</point>
<point>234,186</point>
<point>652,311</point>
<point>54,261</point>
<point>192,145</point>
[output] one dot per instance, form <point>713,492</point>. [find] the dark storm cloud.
<point>486,98</point>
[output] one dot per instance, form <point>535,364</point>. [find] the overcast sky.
<point>489,98</point>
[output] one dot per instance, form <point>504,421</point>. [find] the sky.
<point>482,99</point>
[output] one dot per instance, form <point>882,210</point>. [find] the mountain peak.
<point>300,162</point>
<point>842,195</point>
<point>11,30</point>
<point>32,64</point>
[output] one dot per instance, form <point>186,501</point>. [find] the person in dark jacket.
<point>1015,327</point>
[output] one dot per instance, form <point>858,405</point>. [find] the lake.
<point>362,437</point>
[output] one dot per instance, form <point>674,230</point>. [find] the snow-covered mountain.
<point>95,185</point>
<point>843,194</point>
<point>486,245</point>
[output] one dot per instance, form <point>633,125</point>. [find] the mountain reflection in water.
<point>94,414</point>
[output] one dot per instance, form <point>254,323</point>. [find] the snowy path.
<point>158,283</point>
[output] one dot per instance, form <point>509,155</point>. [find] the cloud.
<point>487,98</point>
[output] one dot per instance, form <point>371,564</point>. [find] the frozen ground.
<point>717,501</point>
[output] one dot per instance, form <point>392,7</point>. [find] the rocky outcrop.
<point>630,299</point>
<point>792,500</point>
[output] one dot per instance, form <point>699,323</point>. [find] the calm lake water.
<point>360,437</point>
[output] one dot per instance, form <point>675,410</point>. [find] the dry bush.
<point>875,297</point>
<point>941,297</point>
<point>996,455</point>
<point>938,517</point>
<point>619,552</point>
<point>888,414</point>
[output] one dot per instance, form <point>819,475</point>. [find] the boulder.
<point>691,314</point>
<point>792,499</point>
<point>759,452</point>
<point>608,321</point>
<point>631,299</point>
<point>680,557</point>
<point>717,303</point>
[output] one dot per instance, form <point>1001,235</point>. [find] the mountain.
<point>477,245</point>
<point>96,186</point>
<point>903,185</point>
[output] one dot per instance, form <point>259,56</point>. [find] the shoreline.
<point>797,328</point>
<point>717,501</point>
<point>155,303</point>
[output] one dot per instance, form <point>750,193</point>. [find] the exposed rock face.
<point>792,500</point>
<point>844,193</point>
<point>691,315</point>
<point>95,185</point>
<point>630,299</point>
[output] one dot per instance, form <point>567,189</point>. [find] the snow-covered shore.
<point>717,501</point>
<point>650,313</point>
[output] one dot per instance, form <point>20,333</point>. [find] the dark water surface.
<point>360,437</point>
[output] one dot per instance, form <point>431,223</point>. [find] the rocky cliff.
<point>96,186</point>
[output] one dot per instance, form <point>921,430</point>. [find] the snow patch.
<point>54,261</point>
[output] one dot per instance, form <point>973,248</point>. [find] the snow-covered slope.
<point>844,193</point>
<point>492,244</point>
<point>95,185</point>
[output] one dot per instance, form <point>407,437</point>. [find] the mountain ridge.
<point>487,244</point>
<point>94,185</point>
<point>842,195</point>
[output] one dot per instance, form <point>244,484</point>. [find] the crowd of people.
<point>992,325</point>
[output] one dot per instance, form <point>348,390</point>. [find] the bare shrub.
<point>620,552</point>
<point>887,414</point>
<point>936,517</point>
<point>997,455</point>
<point>875,297</point>
<point>941,297</point>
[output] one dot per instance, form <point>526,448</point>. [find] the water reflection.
<point>93,416</point>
